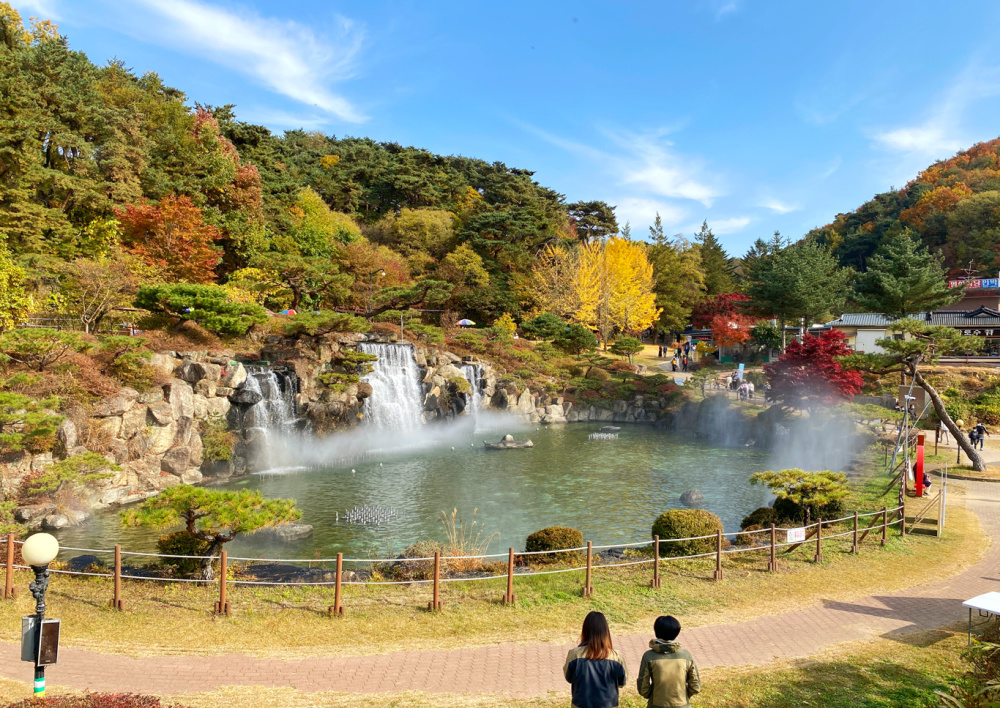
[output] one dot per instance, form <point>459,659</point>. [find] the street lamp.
<point>38,551</point>
<point>371,291</point>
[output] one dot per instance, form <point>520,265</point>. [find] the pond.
<point>610,489</point>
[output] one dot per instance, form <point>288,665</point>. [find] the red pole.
<point>918,475</point>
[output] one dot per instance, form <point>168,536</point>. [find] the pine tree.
<point>719,272</point>
<point>903,278</point>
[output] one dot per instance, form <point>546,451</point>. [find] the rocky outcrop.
<point>509,443</point>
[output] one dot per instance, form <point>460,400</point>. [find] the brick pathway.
<point>527,670</point>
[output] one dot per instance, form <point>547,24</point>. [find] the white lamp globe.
<point>40,549</point>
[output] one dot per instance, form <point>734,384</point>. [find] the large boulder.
<point>163,363</point>
<point>34,512</point>
<point>162,413</point>
<point>692,497</point>
<point>176,459</point>
<point>54,522</point>
<point>181,399</point>
<point>133,422</point>
<point>112,406</point>
<point>67,434</point>
<point>234,376</point>
<point>244,396</point>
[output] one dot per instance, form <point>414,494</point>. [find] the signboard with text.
<point>975,283</point>
<point>796,535</point>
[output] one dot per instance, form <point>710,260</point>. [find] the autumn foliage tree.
<point>809,375</point>
<point>173,237</point>
<point>727,304</point>
<point>732,330</point>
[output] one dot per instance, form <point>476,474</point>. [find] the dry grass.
<point>292,621</point>
<point>992,471</point>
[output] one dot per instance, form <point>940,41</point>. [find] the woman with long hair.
<point>594,669</point>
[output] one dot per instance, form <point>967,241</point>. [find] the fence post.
<point>819,541</point>
<point>885,524</point>
<point>588,589</point>
<point>718,555</point>
<point>902,519</point>
<point>8,588</point>
<point>222,606</point>
<point>854,547</point>
<point>435,603</point>
<point>773,565</point>
<point>508,599</point>
<point>655,582</point>
<point>117,603</point>
<point>337,610</point>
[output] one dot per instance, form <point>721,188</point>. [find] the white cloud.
<point>42,9</point>
<point>652,164</point>
<point>941,134</point>
<point>727,226</point>
<point>834,166</point>
<point>284,120</point>
<point>726,7</point>
<point>640,212</point>
<point>778,206</point>
<point>286,57</point>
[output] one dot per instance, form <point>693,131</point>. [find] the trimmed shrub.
<point>217,439</point>
<point>553,538</point>
<point>685,523</point>
<point>789,511</point>
<point>598,374</point>
<point>417,570</point>
<point>183,543</point>
<point>761,517</point>
<point>753,539</point>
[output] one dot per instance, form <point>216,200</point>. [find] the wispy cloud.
<point>42,9</point>
<point>286,57</point>
<point>651,163</point>
<point>941,133</point>
<point>639,212</point>
<point>725,7</point>
<point>778,206</point>
<point>728,226</point>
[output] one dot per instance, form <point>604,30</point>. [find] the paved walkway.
<point>534,669</point>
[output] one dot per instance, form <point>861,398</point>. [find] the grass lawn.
<point>885,673</point>
<point>291,621</point>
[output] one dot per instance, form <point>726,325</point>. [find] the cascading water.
<point>272,418</point>
<point>396,402</point>
<point>474,374</point>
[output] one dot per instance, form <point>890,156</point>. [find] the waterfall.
<point>474,374</point>
<point>396,402</point>
<point>270,422</point>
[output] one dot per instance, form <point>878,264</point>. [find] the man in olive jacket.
<point>668,676</point>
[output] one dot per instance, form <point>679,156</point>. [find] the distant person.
<point>677,353</point>
<point>673,364</point>
<point>594,669</point>
<point>668,675</point>
<point>750,390</point>
<point>979,432</point>
<point>684,363</point>
<point>927,485</point>
<point>659,352</point>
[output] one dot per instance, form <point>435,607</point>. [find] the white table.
<point>987,604</point>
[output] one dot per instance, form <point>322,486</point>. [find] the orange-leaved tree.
<point>172,236</point>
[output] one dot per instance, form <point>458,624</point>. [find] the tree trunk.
<point>207,573</point>
<point>960,438</point>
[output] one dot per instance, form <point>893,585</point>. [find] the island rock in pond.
<point>509,443</point>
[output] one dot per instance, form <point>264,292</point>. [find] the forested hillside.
<point>952,206</point>
<point>101,166</point>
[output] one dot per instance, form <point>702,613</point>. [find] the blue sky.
<point>756,115</point>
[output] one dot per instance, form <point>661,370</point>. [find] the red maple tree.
<point>808,375</point>
<point>727,304</point>
<point>731,330</point>
<point>173,237</point>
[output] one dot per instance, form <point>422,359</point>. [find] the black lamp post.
<point>38,551</point>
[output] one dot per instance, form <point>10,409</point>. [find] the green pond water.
<point>609,489</point>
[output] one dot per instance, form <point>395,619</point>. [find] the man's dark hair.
<point>666,628</point>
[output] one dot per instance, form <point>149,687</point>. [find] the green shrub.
<point>358,363</point>
<point>183,543</point>
<point>553,538</point>
<point>581,384</point>
<point>460,384</point>
<point>753,539</point>
<point>625,392</point>
<point>324,322</point>
<point>546,350</point>
<point>685,523</point>
<point>472,340</point>
<point>38,348</point>
<point>427,333</point>
<point>333,378</point>
<point>527,374</point>
<point>394,315</point>
<point>207,305</point>
<point>544,326</point>
<point>217,439</point>
<point>597,374</point>
<point>576,339</point>
<point>79,469</point>
<point>658,379</point>
<point>762,516</point>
